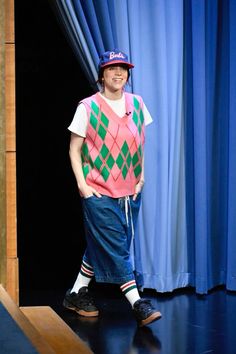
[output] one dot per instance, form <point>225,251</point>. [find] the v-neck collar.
<point>106,108</point>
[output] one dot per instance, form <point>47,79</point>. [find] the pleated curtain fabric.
<point>184,53</point>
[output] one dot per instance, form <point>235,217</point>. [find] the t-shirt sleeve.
<point>79,122</point>
<point>147,116</point>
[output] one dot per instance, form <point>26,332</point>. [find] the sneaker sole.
<point>81,312</point>
<point>153,317</point>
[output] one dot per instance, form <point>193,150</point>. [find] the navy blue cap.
<point>114,56</point>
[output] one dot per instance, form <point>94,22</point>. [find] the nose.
<point>118,70</point>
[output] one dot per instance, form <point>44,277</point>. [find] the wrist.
<point>82,186</point>
<point>141,181</point>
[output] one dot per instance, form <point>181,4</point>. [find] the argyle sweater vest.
<point>113,148</point>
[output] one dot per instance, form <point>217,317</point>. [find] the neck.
<point>116,95</point>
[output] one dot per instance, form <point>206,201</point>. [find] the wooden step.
<point>55,331</point>
<point>47,332</point>
<point>25,325</point>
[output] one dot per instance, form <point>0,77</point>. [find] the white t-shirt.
<point>79,123</point>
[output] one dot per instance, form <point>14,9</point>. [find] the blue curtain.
<point>231,202</point>
<point>185,69</point>
<point>153,33</point>
<point>85,24</point>
<point>210,141</point>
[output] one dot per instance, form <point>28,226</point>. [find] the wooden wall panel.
<point>2,148</point>
<point>2,219</point>
<point>8,152</point>
<point>9,27</point>
<point>10,97</point>
<point>12,279</point>
<point>11,204</point>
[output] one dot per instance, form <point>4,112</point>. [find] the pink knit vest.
<point>113,148</point>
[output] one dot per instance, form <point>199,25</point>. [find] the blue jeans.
<point>109,223</point>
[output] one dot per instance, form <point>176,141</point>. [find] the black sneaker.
<point>81,302</point>
<point>144,312</point>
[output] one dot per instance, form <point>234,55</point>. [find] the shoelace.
<point>144,304</point>
<point>86,298</point>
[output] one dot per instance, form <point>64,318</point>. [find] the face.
<point>115,77</point>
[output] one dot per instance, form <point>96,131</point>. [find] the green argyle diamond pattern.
<point>135,161</point>
<point>85,156</point>
<point>138,119</point>
<point>140,150</point>
<point>104,151</point>
<point>128,160</point>
<point>95,108</point>
<point>105,173</point>
<point>119,161</point>
<point>85,170</point>
<point>136,103</point>
<point>94,121</point>
<point>104,119</point>
<point>105,161</point>
<point>102,132</point>
<point>85,152</point>
<point>135,118</point>
<point>141,117</point>
<point>124,171</point>
<point>125,148</point>
<point>124,159</point>
<point>98,162</point>
<point>137,170</point>
<point>110,161</point>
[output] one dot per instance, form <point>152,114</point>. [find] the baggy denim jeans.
<point>109,227</point>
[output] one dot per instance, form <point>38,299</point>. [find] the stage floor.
<point>191,324</point>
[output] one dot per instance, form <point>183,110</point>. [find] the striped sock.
<point>130,291</point>
<point>84,277</point>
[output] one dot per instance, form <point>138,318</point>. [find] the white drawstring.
<point>127,208</point>
<point>127,204</point>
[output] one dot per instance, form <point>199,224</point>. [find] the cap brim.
<point>130,66</point>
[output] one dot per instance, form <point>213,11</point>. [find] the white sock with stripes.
<point>84,277</point>
<point>130,291</point>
